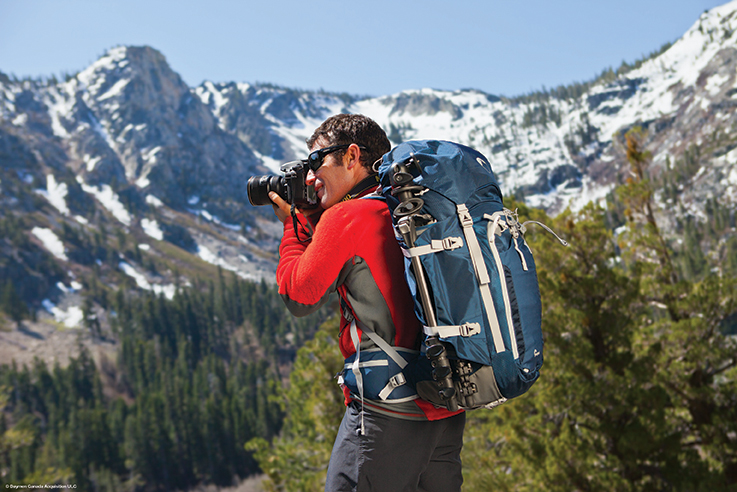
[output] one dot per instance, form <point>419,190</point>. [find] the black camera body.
<point>292,187</point>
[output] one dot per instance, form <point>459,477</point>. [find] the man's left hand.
<point>281,208</point>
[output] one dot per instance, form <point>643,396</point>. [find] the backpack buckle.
<point>397,380</point>
<point>464,216</point>
<point>469,329</point>
<point>450,243</point>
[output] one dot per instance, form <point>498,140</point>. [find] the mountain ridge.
<point>125,146</point>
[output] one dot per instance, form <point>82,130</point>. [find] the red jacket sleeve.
<point>309,272</point>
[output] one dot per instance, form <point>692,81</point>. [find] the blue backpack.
<point>470,271</point>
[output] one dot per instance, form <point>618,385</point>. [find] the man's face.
<point>333,180</point>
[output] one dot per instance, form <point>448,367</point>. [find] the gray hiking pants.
<point>396,455</point>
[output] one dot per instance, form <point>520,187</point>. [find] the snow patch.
<point>152,200</point>
<point>71,318</point>
<point>715,83</point>
<point>55,193</point>
<point>109,199</point>
<point>151,228</point>
<point>60,106</point>
<point>91,162</point>
<point>168,290</point>
<point>50,241</point>
<point>74,287</point>
<point>116,89</point>
<point>205,254</point>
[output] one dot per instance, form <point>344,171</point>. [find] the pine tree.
<point>12,304</point>
<point>297,461</point>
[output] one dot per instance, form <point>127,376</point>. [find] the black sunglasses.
<point>314,160</point>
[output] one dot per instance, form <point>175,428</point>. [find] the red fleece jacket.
<point>349,237</point>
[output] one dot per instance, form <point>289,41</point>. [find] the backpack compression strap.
<point>355,367</point>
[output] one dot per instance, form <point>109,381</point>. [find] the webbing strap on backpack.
<point>482,275</point>
<point>393,381</point>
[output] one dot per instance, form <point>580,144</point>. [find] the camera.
<point>291,187</point>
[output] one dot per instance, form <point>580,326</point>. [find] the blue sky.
<point>372,47</point>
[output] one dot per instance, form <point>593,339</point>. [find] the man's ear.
<point>352,156</point>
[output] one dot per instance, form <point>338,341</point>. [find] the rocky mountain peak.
<point>127,135</point>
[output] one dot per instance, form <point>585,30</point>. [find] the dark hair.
<point>346,129</point>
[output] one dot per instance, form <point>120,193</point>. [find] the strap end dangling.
<point>296,223</point>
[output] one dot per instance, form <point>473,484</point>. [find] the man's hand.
<point>281,208</point>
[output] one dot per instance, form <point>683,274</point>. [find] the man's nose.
<point>310,179</point>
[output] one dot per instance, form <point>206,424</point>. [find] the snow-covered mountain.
<point>126,145</point>
<point>554,151</point>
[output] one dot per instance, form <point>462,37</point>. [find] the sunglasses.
<point>314,160</point>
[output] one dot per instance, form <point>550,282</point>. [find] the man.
<point>382,445</point>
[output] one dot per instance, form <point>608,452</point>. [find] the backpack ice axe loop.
<point>406,213</point>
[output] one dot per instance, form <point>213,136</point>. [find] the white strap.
<point>473,245</point>
<point>491,230</point>
<point>477,258</point>
<point>381,343</point>
<point>396,380</point>
<point>521,256</point>
<point>464,330</point>
<point>437,245</point>
<point>355,368</point>
<point>369,363</point>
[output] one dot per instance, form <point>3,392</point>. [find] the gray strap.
<point>383,345</point>
<point>464,330</point>
<point>562,241</point>
<point>477,258</point>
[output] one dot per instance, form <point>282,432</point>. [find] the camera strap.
<point>296,223</point>
<point>366,184</point>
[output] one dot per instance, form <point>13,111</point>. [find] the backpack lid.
<point>455,171</point>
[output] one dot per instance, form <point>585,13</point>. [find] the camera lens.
<point>259,187</point>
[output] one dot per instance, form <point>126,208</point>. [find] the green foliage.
<point>11,303</point>
<point>297,460</point>
<point>709,242</point>
<point>541,114</point>
<point>179,408</point>
<point>639,387</point>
